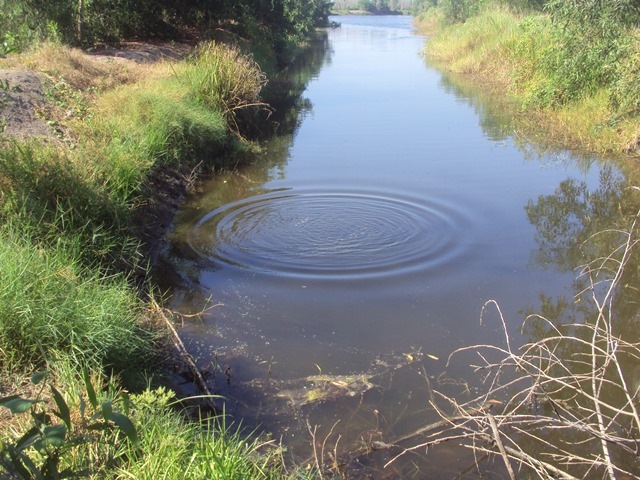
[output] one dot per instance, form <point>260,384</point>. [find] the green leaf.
<point>107,410</point>
<point>27,438</point>
<point>63,409</point>
<point>23,464</point>
<point>17,404</point>
<point>53,436</point>
<point>37,377</point>
<point>91,393</point>
<point>126,403</point>
<point>126,426</point>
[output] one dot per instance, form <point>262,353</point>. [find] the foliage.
<point>222,78</point>
<point>45,449</point>
<point>378,7</point>
<point>52,306</point>
<point>280,23</point>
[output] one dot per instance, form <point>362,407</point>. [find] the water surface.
<point>365,241</point>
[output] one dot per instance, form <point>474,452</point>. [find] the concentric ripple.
<point>334,234</point>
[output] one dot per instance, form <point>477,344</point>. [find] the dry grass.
<point>77,68</point>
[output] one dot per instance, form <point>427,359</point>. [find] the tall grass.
<point>225,79</point>
<point>52,306</point>
<point>58,203</point>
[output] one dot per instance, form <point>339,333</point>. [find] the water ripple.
<point>330,234</point>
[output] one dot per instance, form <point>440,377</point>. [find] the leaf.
<point>27,438</point>
<point>63,409</point>
<point>23,464</point>
<point>126,426</point>
<point>91,393</point>
<point>53,436</point>
<point>37,377</point>
<point>107,410</point>
<point>17,404</point>
<point>126,403</point>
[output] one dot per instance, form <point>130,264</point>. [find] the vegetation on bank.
<point>371,7</point>
<point>571,65</point>
<point>73,215</point>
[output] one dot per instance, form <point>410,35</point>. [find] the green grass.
<point>139,127</point>
<point>176,448</point>
<point>69,249</point>
<point>530,57</point>
<point>54,196</point>
<point>224,78</point>
<point>53,307</point>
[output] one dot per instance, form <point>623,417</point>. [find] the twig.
<point>496,437</point>
<point>190,362</point>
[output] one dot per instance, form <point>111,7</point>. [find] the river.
<point>358,250</point>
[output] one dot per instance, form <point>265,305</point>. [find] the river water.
<point>357,252</point>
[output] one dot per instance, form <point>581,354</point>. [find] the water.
<point>365,242</point>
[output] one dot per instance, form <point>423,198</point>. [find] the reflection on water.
<point>357,251</point>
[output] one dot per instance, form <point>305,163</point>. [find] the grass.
<point>176,448</point>
<point>69,249</point>
<point>138,127</point>
<point>52,307</point>
<point>510,51</point>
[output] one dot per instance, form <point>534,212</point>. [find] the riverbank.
<point>557,97</point>
<point>95,154</point>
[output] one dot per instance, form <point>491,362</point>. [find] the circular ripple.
<point>329,234</point>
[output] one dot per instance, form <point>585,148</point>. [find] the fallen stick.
<point>198,378</point>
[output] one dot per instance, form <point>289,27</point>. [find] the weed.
<point>42,451</point>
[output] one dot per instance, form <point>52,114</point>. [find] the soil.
<point>22,97</point>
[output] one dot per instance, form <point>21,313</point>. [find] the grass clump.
<point>176,448</point>
<point>51,306</point>
<point>224,78</point>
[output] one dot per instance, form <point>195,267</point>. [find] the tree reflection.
<point>565,220</point>
<point>577,228</point>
